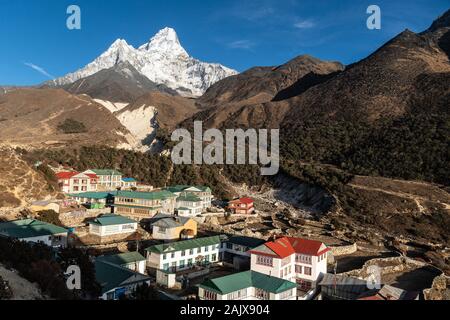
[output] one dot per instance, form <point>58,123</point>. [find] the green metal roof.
<point>94,195</point>
<point>111,220</point>
<point>106,172</point>
<point>247,279</point>
<point>123,258</point>
<point>111,276</point>
<point>155,195</point>
<point>29,228</point>
<point>185,245</point>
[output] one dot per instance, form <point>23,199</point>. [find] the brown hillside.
<point>31,117</point>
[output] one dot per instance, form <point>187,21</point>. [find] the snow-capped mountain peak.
<point>163,60</point>
<point>165,41</point>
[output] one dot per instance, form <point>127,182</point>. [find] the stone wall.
<point>386,266</point>
<point>440,290</point>
<point>344,250</point>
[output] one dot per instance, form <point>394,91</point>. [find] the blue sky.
<point>36,45</point>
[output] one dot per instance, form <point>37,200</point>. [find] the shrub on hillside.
<point>72,126</point>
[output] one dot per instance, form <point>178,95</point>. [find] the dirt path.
<point>22,289</point>
<point>416,198</point>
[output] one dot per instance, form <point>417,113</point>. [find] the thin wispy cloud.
<point>305,24</point>
<point>241,44</point>
<point>39,69</point>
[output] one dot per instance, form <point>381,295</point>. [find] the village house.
<point>248,285</point>
<point>117,281</point>
<point>343,287</point>
<point>235,251</point>
<point>183,255</point>
<point>144,205</point>
<point>202,192</point>
<point>75,182</point>
<point>30,230</point>
<point>130,260</point>
<point>241,206</point>
<point>129,183</point>
<point>108,179</point>
<point>112,225</point>
<point>294,259</point>
<point>189,205</point>
<point>169,228</point>
<point>94,200</point>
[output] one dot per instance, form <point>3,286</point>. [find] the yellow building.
<point>168,228</point>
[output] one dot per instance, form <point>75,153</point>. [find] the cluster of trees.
<point>38,263</point>
<point>414,146</point>
<point>70,126</point>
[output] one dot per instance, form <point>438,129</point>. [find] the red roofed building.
<point>294,259</point>
<point>242,206</point>
<point>75,182</point>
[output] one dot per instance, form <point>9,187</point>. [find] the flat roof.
<point>29,228</point>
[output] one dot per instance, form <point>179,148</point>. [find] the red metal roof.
<point>66,175</point>
<point>306,246</point>
<point>286,246</point>
<point>281,247</point>
<point>246,200</point>
<point>91,175</point>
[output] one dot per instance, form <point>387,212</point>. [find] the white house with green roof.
<point>184,255</point>
<point>112,225</point>
<point>202,192</point>
<point>189,205</point>
<point>144,205</point>
<point>248,285</point>
<point>130,260</point>
<point>117,281</point>
<point>108,179</point>
<point>35,231</point>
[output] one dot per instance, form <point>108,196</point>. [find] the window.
<point>208,295</point>
<point>303,259</point>
<point>128,227</point>
<point>190,262</point>
<point>229,246</point>
<point>286,294</point>
<point>214,257</point>
<point>264,261</point>
<point>199,250</point>
<point>308,271</point>
<point>164,256</point>
<point>183,253</point>
<point>191,252</point>
<point>298,269</point>
<point>206,248</point>
<point>304,286</point>
<point>237,295</point>
<point>261,294</point>
<point>172,255</point>
<point>182,264</point>
<point>166,266</point>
